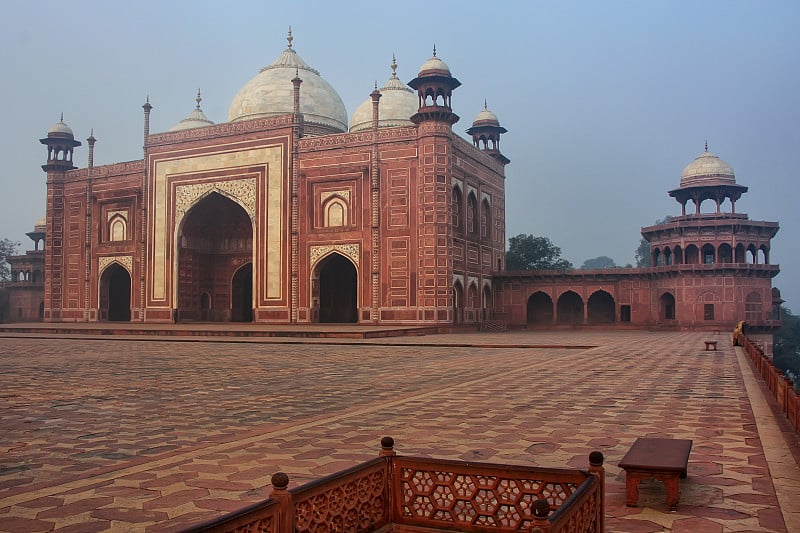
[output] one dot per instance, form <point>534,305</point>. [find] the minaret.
<point>434,85</point>
<point>60,142</point>
<point>486,131</point>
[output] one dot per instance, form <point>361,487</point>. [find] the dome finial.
<point>289,37</point>
<point>62,117</point>
<point>434,49</point>
<point>706,145</point>
<point>198,99</point>
<point>485,105</point>
<point>394,66</point>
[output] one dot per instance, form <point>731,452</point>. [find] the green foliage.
<point>598,263</point>
<point>642,255</point>
<point>7,249</point>
<point>786,345</point>
<point>527,252</point>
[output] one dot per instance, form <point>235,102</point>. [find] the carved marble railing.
<point>396,493</point>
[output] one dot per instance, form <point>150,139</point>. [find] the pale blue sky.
<point>605,101</point>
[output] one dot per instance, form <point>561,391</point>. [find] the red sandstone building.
<point>283,214</point>
<point>710,270</point>
<point>287,214</point>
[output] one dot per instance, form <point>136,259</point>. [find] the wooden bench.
<point>662,459</point>
<point>711,346</point>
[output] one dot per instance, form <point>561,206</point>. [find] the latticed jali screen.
<point>393,491</point>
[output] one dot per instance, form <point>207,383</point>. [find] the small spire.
<point>62,117</point>
<point>91,138</point>
<point>434,49</point>
<point>376,85</point>
<point>394,66</point>
<point>485,105</point>
<point>289,37</point>
<point>198,99</point>
<point>706,145</point>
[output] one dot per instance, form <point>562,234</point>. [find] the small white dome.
<point>434,67</point>
<point>485,118</point>
<point>707,169</point>
<point>397,104</point>
<point>271,93</point>
<point>60,129</point>
<point>196,119</point>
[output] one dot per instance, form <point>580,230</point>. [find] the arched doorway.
<point>486,304</point>
<point>570,308</point>
<point>601,308</point>
<point>241,295</point>
<point>458,303</point>
<point>215,254</point>
<point>115,294</point>
<point>540,309</point>
<point>338,290</point>
<point>667,307</point>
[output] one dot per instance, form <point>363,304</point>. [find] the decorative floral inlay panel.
<point>124,260</point>
<point>243,191</point>
<point>351,250</point>
<point>344,193</point>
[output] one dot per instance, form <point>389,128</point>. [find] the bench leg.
<point>673,491</point>
<point>631,489</point>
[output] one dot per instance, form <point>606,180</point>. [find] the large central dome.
<point>270,93</point>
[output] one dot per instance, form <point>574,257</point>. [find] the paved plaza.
<point>144,434</point>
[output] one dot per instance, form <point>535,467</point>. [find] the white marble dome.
<point>707,170</point>
<point>485,118</point>
<point>60,129</point>
<point>196,119</point>
<point>434,67</point>
<point>398,102</point>
<point>271,93</point>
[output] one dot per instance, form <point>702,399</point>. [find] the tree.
<point>7,249</point>
<point>642,255</point>
<point>526,252</point>
<point>598,263</point>
<point>786,346</point>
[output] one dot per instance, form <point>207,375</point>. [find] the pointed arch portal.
<point>540,308</point>
<point>215,269</point>
<point>338,290</point>
<point>115,294</point>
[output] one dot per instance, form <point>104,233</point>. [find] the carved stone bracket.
<point>124,260</point>
<point>351,250</point>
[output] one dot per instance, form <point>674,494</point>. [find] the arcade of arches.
<point>570,309</point>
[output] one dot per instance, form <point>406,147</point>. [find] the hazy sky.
<point>605,102</point>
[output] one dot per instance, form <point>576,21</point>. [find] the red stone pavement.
<point>150,434</point>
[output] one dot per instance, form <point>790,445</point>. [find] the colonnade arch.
<point>711,254</point>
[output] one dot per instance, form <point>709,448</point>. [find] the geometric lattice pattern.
<point>354,505</point>
<point>462,499</point>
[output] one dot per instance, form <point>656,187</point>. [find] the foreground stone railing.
<point>396,493</point>
<point>781,386</point>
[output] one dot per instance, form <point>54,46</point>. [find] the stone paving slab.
<point>152,435</point>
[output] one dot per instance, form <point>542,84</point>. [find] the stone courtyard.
<point>132,433</point>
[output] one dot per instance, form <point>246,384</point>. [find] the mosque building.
<point>284,214</point>
<point>289,214</point>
